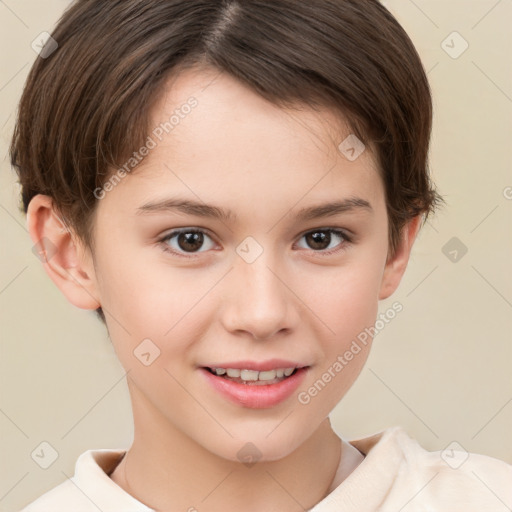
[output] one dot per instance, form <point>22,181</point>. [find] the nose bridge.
<point>260,303</point>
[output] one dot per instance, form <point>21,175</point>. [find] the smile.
<point>253,377</point>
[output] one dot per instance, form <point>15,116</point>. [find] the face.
<point>255,275</point>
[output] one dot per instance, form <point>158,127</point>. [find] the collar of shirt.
<point>364,489</point>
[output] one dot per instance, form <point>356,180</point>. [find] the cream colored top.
<point>397,474</point>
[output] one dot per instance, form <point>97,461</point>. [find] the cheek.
<point>141,291</point>
<point>345,298</point>
<point>347,308</point>
<point>169,306</point>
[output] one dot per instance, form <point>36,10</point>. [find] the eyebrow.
<point>190,207</point>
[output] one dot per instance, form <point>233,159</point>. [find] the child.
<point>289,141</point>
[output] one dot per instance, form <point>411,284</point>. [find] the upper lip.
<point>260,366</point>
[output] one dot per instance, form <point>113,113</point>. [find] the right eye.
<point>183,241</point>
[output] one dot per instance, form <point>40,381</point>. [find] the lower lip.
<point>256,396</point>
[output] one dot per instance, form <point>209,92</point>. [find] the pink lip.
<point>256,397</point>
<point>270,364</point>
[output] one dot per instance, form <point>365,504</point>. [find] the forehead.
<point>214,138</point>
<point>225,106</point>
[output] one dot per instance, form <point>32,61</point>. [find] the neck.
<point>167,470</point>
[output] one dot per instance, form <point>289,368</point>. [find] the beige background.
<point>441,368</point>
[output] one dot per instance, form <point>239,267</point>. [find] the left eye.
<point>320,240</point>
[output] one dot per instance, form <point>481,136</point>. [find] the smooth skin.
<point>205,304</point>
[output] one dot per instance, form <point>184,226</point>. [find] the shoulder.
<point>64,497</point>
<point>90,489</point>
<point>452,479</point>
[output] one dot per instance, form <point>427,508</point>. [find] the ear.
<point>395,266</point>
<point>64,258</point>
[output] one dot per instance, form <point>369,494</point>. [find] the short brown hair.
<point>86,106</point>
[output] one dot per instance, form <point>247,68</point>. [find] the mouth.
<point>255,385</point>
<point>253,377</point>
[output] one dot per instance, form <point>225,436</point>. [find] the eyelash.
<point>347,240</point>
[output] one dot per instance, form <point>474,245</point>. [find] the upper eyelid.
<point>173,232</point>
<point>344,231</point>
<point>206,231</point>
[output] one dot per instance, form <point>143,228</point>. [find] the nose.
<point>259,300</point>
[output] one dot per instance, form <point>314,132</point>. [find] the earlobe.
<point>64,259</point>
<point>396,265</point>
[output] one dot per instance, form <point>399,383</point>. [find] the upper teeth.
<point>255,375</point>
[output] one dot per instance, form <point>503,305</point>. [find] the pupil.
<point>319,238</point>
<point>192,241</point>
